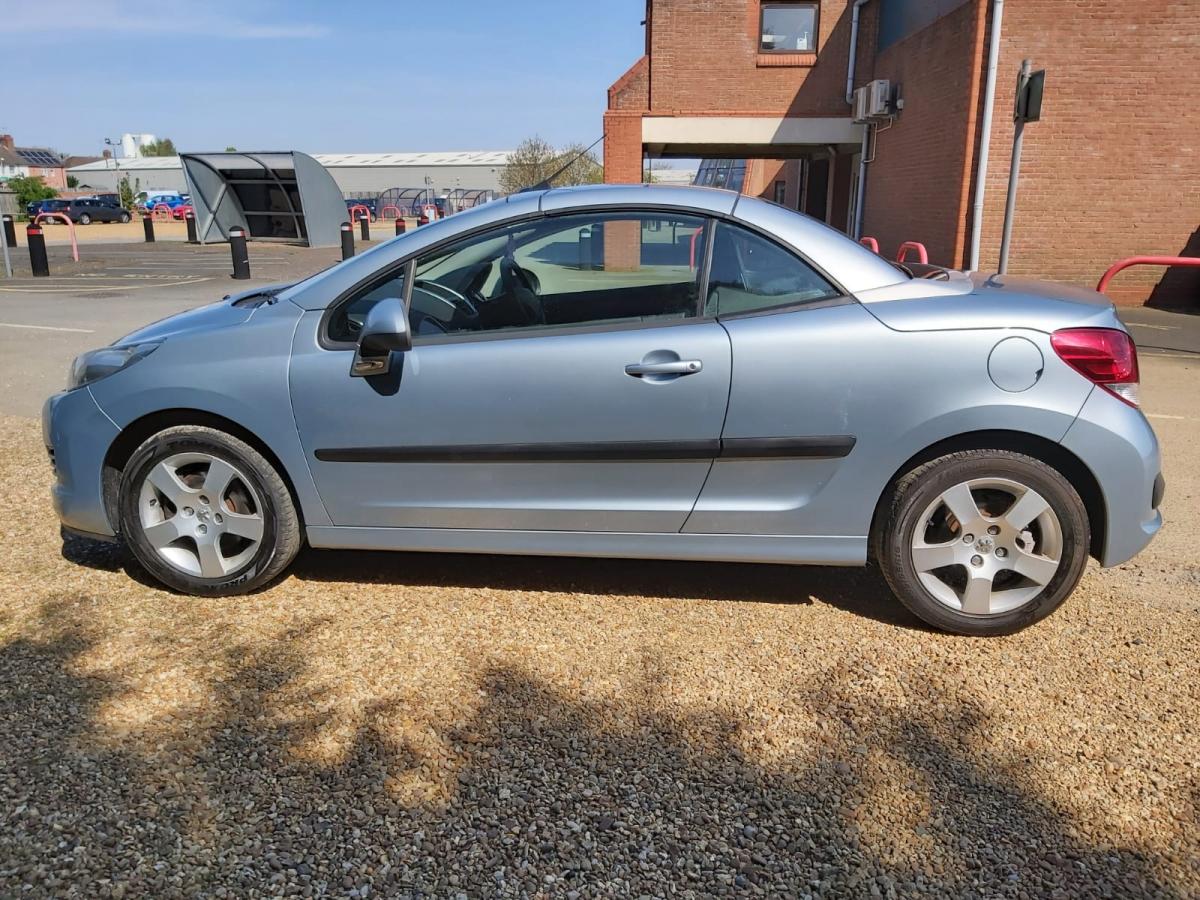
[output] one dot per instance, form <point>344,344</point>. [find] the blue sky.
<point>274,75</point>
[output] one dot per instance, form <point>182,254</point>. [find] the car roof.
<point>846,262</point>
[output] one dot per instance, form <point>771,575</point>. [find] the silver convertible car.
<point>627,371</point>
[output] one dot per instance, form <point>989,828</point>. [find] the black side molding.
<point>823,446</point>
<point>832,446</point>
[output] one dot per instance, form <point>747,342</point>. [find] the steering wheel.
<point>519,285</point>
<point>446,293</point>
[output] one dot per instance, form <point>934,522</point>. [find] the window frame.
<point>841,298</point>
<point>711,221</point>
<point>764,5</point>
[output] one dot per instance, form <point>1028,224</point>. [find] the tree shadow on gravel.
<point>533,792</point>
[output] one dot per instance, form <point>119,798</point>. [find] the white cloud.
<point>149,17</point>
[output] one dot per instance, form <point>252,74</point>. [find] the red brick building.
<point>1110,171</point>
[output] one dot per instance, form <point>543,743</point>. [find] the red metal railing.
<point>383,212</point>
<point>917,247</point>
<point>162,212</point>
<point>359,210</point>
<point>41,217</point>
<point>1144,261</point>
<point>870,243</point>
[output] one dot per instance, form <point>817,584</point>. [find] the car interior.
<point>616,268</point>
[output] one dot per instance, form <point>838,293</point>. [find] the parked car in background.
<point>38,207</point>
<point>105,199</point>
<point>169,200</point>
<point>642,371</point>
<point>84,211</point>
<point>368,202</point>
<point>182,211</point>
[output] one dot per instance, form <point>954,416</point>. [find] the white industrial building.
<point>356,174</point>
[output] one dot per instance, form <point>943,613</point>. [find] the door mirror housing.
<point>384,331</point>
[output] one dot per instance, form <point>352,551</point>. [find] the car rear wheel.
<point>205,513</point>
<point>124,218</point>
<point>983,542</point>
<point>85,219</point>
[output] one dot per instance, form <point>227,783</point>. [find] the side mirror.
<point>384,331</point>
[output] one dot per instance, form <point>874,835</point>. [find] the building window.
<point>781,192</point>
<point>788,28</point>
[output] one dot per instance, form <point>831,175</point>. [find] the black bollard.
<point>364,222</point>
<point>401,225</point>
<point>191,228</point>
<point>148,227</point>
<point>37,251</point>
<point>10,231</point>
<point>347,240</point>
<point>241,256</point>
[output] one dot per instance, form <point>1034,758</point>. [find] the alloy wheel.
<point>201,514</point>
<point>987,546</point>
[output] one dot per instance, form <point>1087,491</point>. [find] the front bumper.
<point>1116,442</point>
<point>77,435</point>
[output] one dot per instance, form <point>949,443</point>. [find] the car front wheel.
<point>85,219</point>
<point>983,542</point>
<point>124,218</point>
<point>205,513</point>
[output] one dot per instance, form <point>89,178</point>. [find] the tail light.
<point>1105,356</point>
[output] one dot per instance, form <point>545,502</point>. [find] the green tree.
<point>29,188</point>
<point>72,181</point>
<point>535,161</point>
<point>126,193</point>
<point>161,147</point>
<point>231,149</point>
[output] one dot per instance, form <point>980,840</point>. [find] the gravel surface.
<point>446,726</point>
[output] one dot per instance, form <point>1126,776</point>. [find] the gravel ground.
<point>422,725</point>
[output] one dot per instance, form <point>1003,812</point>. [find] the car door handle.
<point>674,367</point>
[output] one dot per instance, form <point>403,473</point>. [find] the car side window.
<point>558,271</point>
<point>750,273</point>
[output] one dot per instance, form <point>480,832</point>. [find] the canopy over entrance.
<point>283,196</point>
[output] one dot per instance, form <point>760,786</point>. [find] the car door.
<point>798,344</point>
<point>561,378</point>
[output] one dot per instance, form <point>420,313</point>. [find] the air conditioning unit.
<point>873,101</point>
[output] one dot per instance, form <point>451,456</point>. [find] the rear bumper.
<point>1116,442</point>
<point>77,437</point>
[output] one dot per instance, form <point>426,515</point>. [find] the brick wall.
<point>705,59</point>
<point>622,147</point>
<point>1113,168</point>
<point>915,183</point>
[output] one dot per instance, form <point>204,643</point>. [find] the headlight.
<point>97,364</point>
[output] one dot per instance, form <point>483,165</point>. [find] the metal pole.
<point>985,134</point>
<point>4,243</point>
<point>1014,175</point>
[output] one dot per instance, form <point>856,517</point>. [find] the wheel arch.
<point>137,431</point>
<point>1050,452</point>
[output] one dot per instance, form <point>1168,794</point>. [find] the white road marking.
<point>1165,416</point>
<point>1155,327</point>
<point>47,328</point>
<point>95,289</point>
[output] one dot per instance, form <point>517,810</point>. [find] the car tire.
<point>85,219</point>
<point>939,567</point>
<point>125,217</point>
<point>206,514</point>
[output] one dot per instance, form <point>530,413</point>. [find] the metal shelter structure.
<point>408,200</point>
<point>281,196</point>
<point>459,199</point>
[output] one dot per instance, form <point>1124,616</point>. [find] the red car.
<point>180,212</point>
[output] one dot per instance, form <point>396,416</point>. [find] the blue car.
<point>627,371</point>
